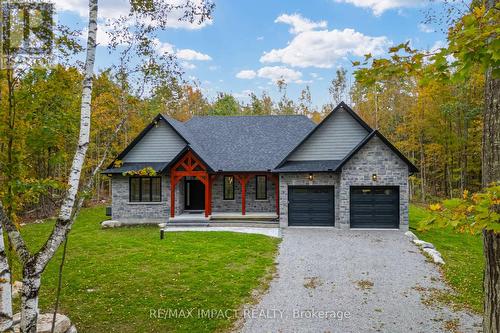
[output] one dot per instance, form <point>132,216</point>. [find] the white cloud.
<point>380,6</point>
<point>260,38</point>
<point>107,9</point>
<point>323,48</point>
<point>303,81</point>
<point>188,65</point>
<point>113,9</point>
<point>103,38</point>
<point>272,73</point>
<point>164,47</point>
<point>439,44</point>
<point>246,74</point>
<point>299,23</point>
<point>425,28</point>
<point>183,54</point>
<point>188,54</point>
<point>275,73</point>
<point>316,76</point>
<point>244,95</point>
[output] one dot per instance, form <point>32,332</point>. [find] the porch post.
<point>208,200</point>
<point>277,193</point>
<point>243,196</point>
<point>211,180</point>
<point>172,195</point>
<point>243,182</point>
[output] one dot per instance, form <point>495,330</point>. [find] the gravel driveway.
<point>353,281</point>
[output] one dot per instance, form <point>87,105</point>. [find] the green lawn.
<point>463,254</point>
<point>115,278</point>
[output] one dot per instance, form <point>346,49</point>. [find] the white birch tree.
<point>5,287</point>
<point>33,265</point>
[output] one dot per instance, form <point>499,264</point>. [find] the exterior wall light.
<point>374,177</point>
<point>311,177</point>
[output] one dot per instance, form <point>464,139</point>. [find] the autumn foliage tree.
<point>443,88</point>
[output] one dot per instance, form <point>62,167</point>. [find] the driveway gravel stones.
<point>354,281</point>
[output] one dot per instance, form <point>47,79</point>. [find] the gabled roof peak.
<point>411,167</point>
<point>340,106</point>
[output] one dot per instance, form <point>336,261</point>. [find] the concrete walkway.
<point>271,232</point>
<point>354,281</point>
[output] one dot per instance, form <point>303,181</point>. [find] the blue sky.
<point>248,45</point>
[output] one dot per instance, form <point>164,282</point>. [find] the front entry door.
<point>194,195</point>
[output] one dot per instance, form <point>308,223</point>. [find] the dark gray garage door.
<point>310,206</point>
<point>374,207</point>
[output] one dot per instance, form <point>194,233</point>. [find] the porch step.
<point>250,224</point>
<point>239,217</point>
<point>226,223</point>
<point>186,224</point>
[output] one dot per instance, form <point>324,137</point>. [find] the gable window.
<point>261,187</point>
<point>228,188</point>
<point>145,189</point>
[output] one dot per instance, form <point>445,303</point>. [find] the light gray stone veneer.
<point>252,204</point>
<point>138,212</point>
<point>374,158</point>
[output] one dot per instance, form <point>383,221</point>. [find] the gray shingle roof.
<point>243,143</point>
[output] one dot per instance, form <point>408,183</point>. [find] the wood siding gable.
<point>160,144</point>
<point>333,140</point>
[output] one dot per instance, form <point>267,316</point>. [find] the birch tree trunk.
<point>33,268</point>
<point>29,301</point>
<point>5,289</point>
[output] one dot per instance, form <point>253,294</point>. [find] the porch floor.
<point>257,216</point>
<point>224,218</point>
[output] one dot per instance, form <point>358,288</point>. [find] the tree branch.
<point>15,237</point>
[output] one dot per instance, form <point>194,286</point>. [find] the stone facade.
<point>138,212</point>
<point>375,158</point>
<point>252,204</point>
<point>158,212</point>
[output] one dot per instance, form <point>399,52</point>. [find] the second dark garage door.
<point>374,207</point>
<point>311,206</point>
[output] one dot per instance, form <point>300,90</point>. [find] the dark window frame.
<point>257,187</point>
<point>140,189</point>
<point>224,187</point>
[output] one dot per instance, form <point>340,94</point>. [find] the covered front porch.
<point>225,218</point>
<point>208,196</point>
